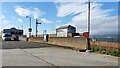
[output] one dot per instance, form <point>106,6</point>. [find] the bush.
<point>96,49</point>
<point>93,48</point>
<point>108,52</point>
<point>115,53</point>
<point>103,50</point>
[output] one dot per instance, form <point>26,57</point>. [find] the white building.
<point>63,31</point>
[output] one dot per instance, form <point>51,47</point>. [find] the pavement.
<point>0,52</point>
<point>21,53</point>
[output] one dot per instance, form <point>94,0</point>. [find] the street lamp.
<point>30,20</point>
<point>30,29</point>
<point>22,27</point>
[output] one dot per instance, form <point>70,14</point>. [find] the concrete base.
<point>88,51</point>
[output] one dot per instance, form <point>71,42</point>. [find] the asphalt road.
<point>21,45</point>
<point>21,53</point>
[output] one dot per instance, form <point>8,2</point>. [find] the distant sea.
<point>107,38</point>
<point>110,40</point>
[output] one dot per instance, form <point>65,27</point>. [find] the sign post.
<point>30,30</point>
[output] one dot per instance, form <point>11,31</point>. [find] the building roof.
<point>12,29</point>
<point>64,27</point>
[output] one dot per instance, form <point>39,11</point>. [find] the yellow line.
<point>118,62</point>
<point>111,63</point>
<point>115,57</point>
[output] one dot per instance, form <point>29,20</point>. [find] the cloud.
<point>46,21</point>
<point>58,21</point>
<point>2,17</point>
<point>72,8</point>
<point>35,12</point>
<point>22,11</point>
<point>4,24</point>
<point>101,20</point>
<point>56,1</point>
<point>20,20</point>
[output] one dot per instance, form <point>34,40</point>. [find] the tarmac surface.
<point>22,53</point>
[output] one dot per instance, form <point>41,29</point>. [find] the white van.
<point>6,36</point>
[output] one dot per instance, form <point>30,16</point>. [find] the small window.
<point>6,35</point>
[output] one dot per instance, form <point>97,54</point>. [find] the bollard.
<point>27,39</point>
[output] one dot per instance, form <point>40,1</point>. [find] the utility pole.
<point>88,39</point>
<point>37,27</point>
<point>89,17</point>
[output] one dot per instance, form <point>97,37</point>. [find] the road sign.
<point>44,32</point>
<point>30,29</point>
<point>86,34</point>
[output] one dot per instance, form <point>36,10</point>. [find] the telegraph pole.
<point>88,39</point>
<point>89,17</point>
<point>37,27</point>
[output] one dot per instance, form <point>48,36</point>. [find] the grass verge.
<point>107,51</point>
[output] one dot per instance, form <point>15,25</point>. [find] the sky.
<point>104,16</point>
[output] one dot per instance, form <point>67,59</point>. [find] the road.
<point>21,53</point>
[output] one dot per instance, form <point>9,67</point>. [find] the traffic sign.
<point>30,29</point>
<point>44,32</point>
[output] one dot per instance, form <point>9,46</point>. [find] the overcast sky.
<point>104,16</point>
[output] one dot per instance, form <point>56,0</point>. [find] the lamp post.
<point>22,27</point>
<point>30,20</point>
<point>30,29</point>
<point>37,27</point>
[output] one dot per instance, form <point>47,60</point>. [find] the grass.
<point>103,50</point>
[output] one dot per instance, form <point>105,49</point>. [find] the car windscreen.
<point>6,35</point>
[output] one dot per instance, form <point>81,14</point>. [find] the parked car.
<point>6,36</point>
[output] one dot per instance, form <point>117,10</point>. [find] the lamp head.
<point>27,16</point>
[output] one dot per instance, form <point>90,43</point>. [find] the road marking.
<point>108,64</point>
<point>115,57</point>
<point>118,63</point>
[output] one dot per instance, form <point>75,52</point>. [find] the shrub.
<point>93,48</point>
<point>104,50</point>
<point>108,52</point>
<point>114,53</point>
<point>96,49</point>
